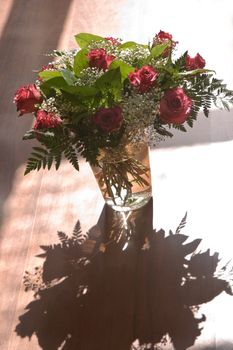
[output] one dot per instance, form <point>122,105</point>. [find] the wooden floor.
<point>106,297</point>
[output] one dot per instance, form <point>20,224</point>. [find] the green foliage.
<point>49,74</point>
<point>158,50</point>
<point>110,85</point>
<point>204,90</point>
<point>125,68</point>
<point>80,61</point>
<point>179,127</point>
<point>131,45</point>
<point>55,145</point>
<point>84,39</point>
<point>68,76</point>
<point>51,85</point>
<point>179,64</point>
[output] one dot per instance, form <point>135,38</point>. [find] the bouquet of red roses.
<point>106,94</point>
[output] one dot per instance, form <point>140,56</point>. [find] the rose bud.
<point>195,62</point>
<point>114,41</point>
<point>163,38</point>
<point>46,120</point>
<point>175,106</point>
<point>108,119</point>
<point>143,79</point>
<point>100,59</point>
<point>26,97</point>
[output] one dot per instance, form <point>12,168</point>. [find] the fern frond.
<point>63,237</point>
<point>77,235</point>
<point>71,155</point>
<point>182,224</point>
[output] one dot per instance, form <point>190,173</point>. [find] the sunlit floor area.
<point>191,172</point>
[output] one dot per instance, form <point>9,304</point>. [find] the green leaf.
<point>158,50</point>
<point>84,39</point>
<point>125,68</point>
<point>80,61</point>
<point>78,116</point>
<point>47,134</point>
<point>57,161</point>
<point>110,82</point>
<point>29,135</point>
<point>130,45</point>
<point>70,154</point>
<point>49,74</point>
<point>68,76</point>
<point>82,91</point>
<point>196,71</point>
<point>180,62</point>
<point>37,155</point>
<point>57,82</point>
<point>41,150</point>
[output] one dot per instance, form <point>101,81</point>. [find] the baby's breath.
<point>106,45</point>
<point>49,105</point>
<point>134,56</point>
<point>89,76</point>
<point>64,59</point>
<point>139,111</point>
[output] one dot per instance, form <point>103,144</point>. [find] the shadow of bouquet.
<point>122,285</point>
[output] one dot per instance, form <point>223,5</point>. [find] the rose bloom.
<point>143,79</point>
<point>26,97</point>
<point>175,106</point>
<point>108,119</point>
<point>163,38</point>
<point>195,62</point>
<point>45,120</point>
<point>113,40</point>
<point>100,59</point>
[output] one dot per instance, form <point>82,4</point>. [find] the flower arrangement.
<point>107,94</point>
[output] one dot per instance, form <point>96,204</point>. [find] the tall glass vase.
<point>124,178</point>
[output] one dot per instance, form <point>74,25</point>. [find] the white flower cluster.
<point>133,56</point>
<point>48,105</point>
<point>106,45</point>
<point>89,76</point>
<point>64,58</point>
<point>139,112</point>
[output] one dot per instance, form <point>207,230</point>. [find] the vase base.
<point>136,201</point>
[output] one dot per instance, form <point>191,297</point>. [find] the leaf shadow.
<point>122,285</point>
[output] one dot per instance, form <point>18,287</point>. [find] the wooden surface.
<point>125,293</point>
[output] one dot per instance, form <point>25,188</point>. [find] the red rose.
<point>45,120</point>
<point>175,106</point>
<point>100,59</point>
<point>113,40</point>
<point>109,119</point>
<point>26,97</point>
<point>195,62</point>
<point>143,79</point>
<point>163,38</point>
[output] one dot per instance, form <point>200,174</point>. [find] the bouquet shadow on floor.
<point>124,285</point>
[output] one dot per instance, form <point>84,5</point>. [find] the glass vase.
<point>124,178</point>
